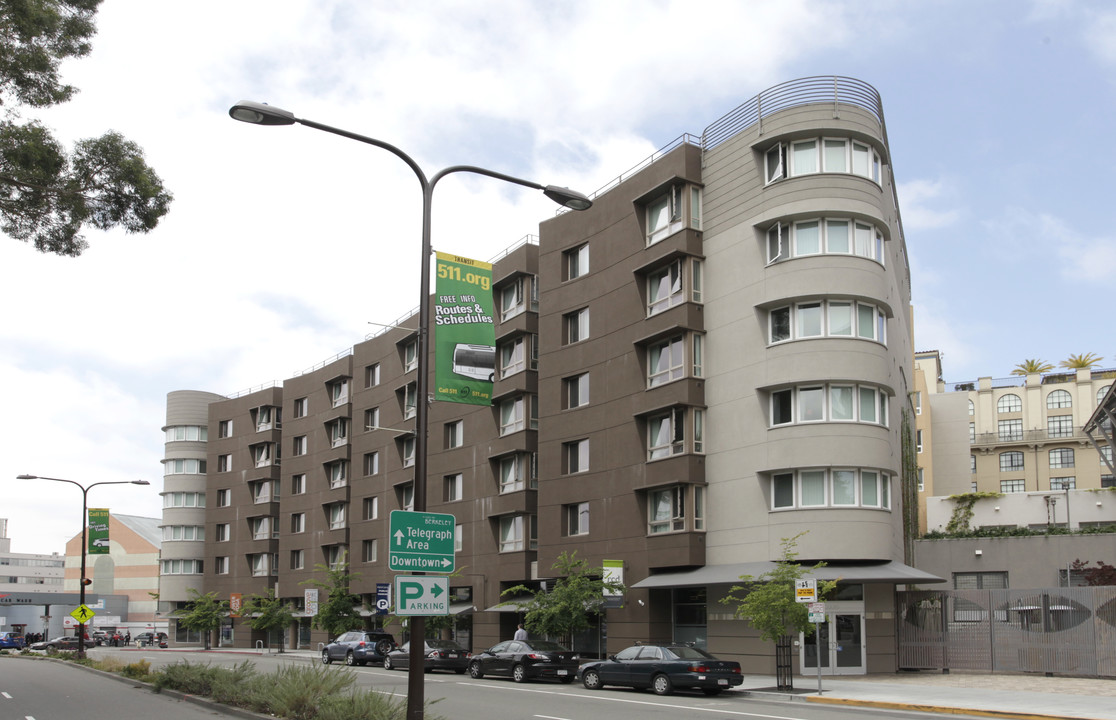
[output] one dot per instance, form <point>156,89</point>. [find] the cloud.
<point>916,198</point>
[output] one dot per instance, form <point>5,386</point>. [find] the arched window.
<point>1059,399</point>
<point>1009,403</point>
<point>1101,393</point>
<point>1011,461</point>
<point>972,410</point>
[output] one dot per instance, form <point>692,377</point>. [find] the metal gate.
<point>1051,630</point>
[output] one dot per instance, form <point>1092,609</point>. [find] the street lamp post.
<point>84,523</point>
<point>262,114</point>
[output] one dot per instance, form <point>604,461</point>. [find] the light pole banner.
<point>464,334</point>
<point>98,531</point>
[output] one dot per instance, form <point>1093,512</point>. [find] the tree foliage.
<point>339,612</point>
<point>267,613</point>
<point>1080,362</point>
<point>204,613</point>
<point>1102,574</point>
<point>767,601</point>
<point>564,610</point>
<point>1030,365</point>
<point>47,195</point>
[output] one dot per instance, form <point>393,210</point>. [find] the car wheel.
<point>349,658</point>
<point>387,664</point>
<point>383,647</point>
<point>712,691</point>
<point>326,659</point>
<point>475,670</point>
<point>662,685</point>
<point>591,680</point>
<point>519,673</point>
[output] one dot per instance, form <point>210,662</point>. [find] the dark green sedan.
<point>663,668</point>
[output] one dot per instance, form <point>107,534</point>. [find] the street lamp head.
<point>261,114</point>
<point>140,482</point>
<point>567,198</point>
<point>27,477</point>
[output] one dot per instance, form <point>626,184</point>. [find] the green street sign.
<point>421,595</point>
<point>421,542</point>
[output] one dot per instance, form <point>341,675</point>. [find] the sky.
<point>283,244</point>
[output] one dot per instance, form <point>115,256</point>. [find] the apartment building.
<point>714,358</point>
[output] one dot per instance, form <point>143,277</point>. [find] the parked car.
<point>62,642</point>
<point>149,638</point>
<point>524,660</point>
<point>439,655</point>
<point>9,639</point>
<point>663,668</point>
<point>359,647</point>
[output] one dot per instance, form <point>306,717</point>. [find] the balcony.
<point>1028,437</point>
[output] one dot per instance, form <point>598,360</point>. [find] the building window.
<point>921,480</point>
<point>371,463</point>
<point>338,432</point>
<point>261,492</point>
<point>1059,399</point>
<point>409,400</point>
<point>335,556</point>
<point>224,463</point>
<point>1010,430</point>
<point>372,375</point>
<point>338,473</point>
<point>830,403</point>
<point>338,391</point>
<point>972,409</point>
<point>575,456</point>
<point>454,487</point>
<point>518,413</point>
<point>837,487</point>
<point>1059,426</point>
<point>1012,486</point>
<point>980,581</point>
<point>181,567</point>
<point>1101,393</point>
<point>410,356</point>
<point>222,566</point>
<point>458,538</point>
<point>1108,481</point>
<point>577,518</point>
<point>335,512</point>
<point>406,496</point>
<point>223,497</point>
<point>822,155</point>
<point>519,354</point>
<point>664,215</point>
<point>512,298</point>
<point>511,533</point>
<point>666,286</point>
<point>184,499</point>
<point>173,533</point>
<point>407,450</point>
<point>188,433</point>
<point>918,441</point>
<point>184,466</point>
<point>667,434</point>
<point>300,407</point>
<point>224,428</point>
<point>298,484</point>
<point>299,445</point>
<point>1061,458</point>
<point>666,510</point>
<point>265,418</point>
<point>517,471</point>
<point>1063,483</point>
<point>665,361</point>
<point>1011,461</point>
<point>298,522</point>
<point>369,550</point>
<point>575,391</point>
<point>972,433</point>
<point>297,559</point>
<point>1009,403</point>
<point>455,434</point>
<point>261,528</point>
<point>830,236</point>
<point>918,402</point>
<point>370,508</point>
<point>575,261</point>
<point>576,325</point>
<point>262,455</point>
<point>828,319</point>
<point>972,464</point>
<point>221,531</point>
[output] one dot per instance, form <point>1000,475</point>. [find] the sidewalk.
<point>1000,695</point>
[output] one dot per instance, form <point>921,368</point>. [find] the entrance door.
<point>841,639</point>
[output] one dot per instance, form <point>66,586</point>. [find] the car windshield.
<point>685,652</point>
<point>546,646</point>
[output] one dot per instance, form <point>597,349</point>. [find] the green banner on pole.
<point>464,334</point>
<point>98,531</point>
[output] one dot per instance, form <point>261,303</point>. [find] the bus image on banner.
<point>475,361</point>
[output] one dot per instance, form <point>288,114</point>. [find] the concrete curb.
<point>940,709</point>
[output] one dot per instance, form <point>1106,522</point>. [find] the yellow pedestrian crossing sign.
<point>82,613</point>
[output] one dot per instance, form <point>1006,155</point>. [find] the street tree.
<point>565,609</point>
<point>268,613</point>
<point>48,194</point>
<point>767,601</point>
<point>339,611</point>
<point>204,613</point>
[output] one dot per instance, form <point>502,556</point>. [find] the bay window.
<point>830,488</point>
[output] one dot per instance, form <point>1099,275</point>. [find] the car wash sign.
<point>464,333</point>
<point>98,531</point>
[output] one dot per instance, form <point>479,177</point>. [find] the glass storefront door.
<point>841,641</point>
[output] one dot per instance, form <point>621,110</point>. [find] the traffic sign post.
<point>421,595</point>
<point>806,591</point>
<point>421,542</point>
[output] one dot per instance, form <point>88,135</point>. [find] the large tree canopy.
<point>47,195</point>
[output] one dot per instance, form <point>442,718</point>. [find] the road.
<point>458,697</point>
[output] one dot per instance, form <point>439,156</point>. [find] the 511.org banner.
<point>464,334</point>
<point>98,531</point>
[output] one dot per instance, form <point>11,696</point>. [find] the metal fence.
<point>1070,631</point>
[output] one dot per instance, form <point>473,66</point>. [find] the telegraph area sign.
<point>420,542</point>
<point>421,595</point>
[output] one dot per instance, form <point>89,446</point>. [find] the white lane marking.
<point>721,710</point>
<point>6,695</point>
<point>551,717</point>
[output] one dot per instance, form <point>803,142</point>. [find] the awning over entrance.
<point>515,604</point>
<point>888,572</point>
<point>458,608</point>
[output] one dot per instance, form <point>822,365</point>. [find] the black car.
<point>439,655</point>
<point>63,642</point>
<point>523,660</point>
<point>359,647</point>
<point>146,639</point>
<point>663,668</point>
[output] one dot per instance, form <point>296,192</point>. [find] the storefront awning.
<point>515,604</point>
<point>888,572</point>
<point>463,607</point>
